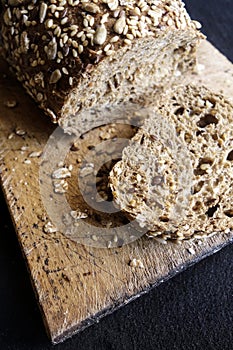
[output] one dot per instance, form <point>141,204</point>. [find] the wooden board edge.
<point>60,338</point>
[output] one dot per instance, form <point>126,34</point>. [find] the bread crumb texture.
<point>151,184</point>
<point>55,46</point>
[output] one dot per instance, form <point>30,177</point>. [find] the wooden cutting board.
<point>77,284</point>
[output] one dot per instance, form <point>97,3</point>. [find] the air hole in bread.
<point>207,120</point>
<point>198,187</point>
<point>229,213</point>
<point>103,173</point>
<point>180,111</point>
<point>215,137</point>
<point>164,219</point>
<point>211,100</point>
<point>203,166</point>
<point>142,140</point>
<point>230,156</point>
<point>196,206</point>
<point>199,132</point>
<point>188,137</point>
<point>210,212</point>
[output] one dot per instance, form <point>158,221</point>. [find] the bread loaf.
<point>74,54</point>
<point>176,176</point>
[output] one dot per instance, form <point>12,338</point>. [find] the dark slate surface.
<point>194,310</point>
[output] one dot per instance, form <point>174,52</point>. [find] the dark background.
<point>194,310</point>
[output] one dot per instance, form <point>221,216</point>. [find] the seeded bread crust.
<point>203,123</point>
<point>72,54</point>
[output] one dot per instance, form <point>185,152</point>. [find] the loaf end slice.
<point>176,176</point>
<point>83,54</point>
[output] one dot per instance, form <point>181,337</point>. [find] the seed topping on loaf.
<point>59,38</point>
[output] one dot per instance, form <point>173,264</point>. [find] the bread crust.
<point>59,49</point>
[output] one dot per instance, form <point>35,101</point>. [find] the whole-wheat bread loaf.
<point>74,54</point>
<point>176,176</point>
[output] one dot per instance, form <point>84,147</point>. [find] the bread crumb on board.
<point>136,263</point>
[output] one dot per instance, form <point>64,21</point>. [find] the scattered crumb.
<point>77,215</point>
<point>197,24</point>
<point>20,132</point>
<point>60,186</point>
<point>10,136</point>
<point>178,73</point>
<point>136,263</point>
<point>10,103</point>
<point>109,244</point>
<point>200,67</point>
<point>191,251</point>
<point>115,239</point>
<point>74,147</point>
<point>42,217</point>
<point>158,239</point>
<point>49,228</point>
<point>27,161</point>
<point>87,170</point>
<point>35,154</point>
<point>61,173</point>
<point>106,134</point>
<point>59,179</point>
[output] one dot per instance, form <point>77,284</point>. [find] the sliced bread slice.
<point>176,176</point>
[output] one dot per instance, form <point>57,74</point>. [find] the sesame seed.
<point>49,23</point>
<point>85,22</point>
<point>91,21</point>
<point>70,81</point>
<point>80,34</point>
<point>110,52</point>
<point>107,47</point>
<point>65,70</point>
<point>129,36</point>
<point>64,20</point>
<point>75,53</point>
<point>114,39</point>
<point>127,41</point>
<point>125,31</point>
<point>113,5</point>
<point>80,50</point>
<point>90,7</point>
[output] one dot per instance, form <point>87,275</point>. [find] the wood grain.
<point>76,284</point>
